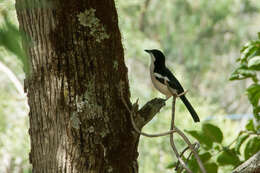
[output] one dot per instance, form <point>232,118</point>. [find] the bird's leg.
<point>167,97</point>
<point>183,93</point>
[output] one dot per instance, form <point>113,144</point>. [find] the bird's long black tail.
<point>190,108</point>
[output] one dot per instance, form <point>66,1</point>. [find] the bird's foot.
<point>175,95</point>
<point>167,97</point>
<point>183,93</point>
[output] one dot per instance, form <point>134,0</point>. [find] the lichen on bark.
<point>89,19</point>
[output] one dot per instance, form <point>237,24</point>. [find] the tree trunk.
<point>78,122</point>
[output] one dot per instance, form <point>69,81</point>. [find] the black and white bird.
<point>160,74</point>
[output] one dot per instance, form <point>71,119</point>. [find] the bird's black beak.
<point>148,51</point>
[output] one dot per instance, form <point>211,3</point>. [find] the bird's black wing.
<point>162,74</point>
<point>174,83</point>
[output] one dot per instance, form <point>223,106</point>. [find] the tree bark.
<point>78,122</point>
<point>77,88</point>
<point>252,165</point>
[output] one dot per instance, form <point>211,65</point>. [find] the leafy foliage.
<point>228,157</point>
<point>10,39</point>
<point>241,139</point>
<point>249,68</point>
<point>211,167</point>
<point>252,146</point>
<point>213,132</point>
<point>215,156</point>
<point>208,135</point>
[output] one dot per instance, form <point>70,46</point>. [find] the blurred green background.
<point>201,40</point>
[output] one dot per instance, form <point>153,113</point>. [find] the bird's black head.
<point>156,55</point>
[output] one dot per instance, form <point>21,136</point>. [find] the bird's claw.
<point>183,93</point>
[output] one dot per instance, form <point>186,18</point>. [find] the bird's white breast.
<point>158,85</point>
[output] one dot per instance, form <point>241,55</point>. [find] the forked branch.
<point>184,137</point>
<point>141,117</point>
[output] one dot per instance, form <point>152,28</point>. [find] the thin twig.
<point>196,147</point>
<point>203,170</point>
<point>171,137</point>
<point>241,132</point>
<point>149,135</point>
<point>182,154</point>
<point>183,151</point>
<point>175,95</point>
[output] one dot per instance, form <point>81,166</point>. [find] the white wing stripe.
<point>160,76</point>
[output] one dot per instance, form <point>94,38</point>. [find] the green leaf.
<point>201,137</point>
<point>234,76</point>
<point>250,125</point>
<point>213,132</point>
<point>256,112</point>
<point>193,165</point>
<point>245,46</point>
<point>171,165</point>
<point>10,39</point>
<point>253,93</point>
<point>252,43</point>
<point>211,167</point>
<point>242,138</point>
<point>228,157</point>
<point>205,156</point>
<point>243,72</point>
<point>254,63</point>
<point>246,72</point>
<point>247,52</point>
<point>217,147</point>
<point>255,53</point>
<point>252,146</point>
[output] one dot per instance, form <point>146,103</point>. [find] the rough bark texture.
<point>252,165</point>
<point>77,120</point>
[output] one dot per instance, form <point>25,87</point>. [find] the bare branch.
<point>182,154</point>
<point>133,112</point>
<point>252,165</point>
<point>148,111</point>
<point>171,137</point>
<point>175,95</point>
<point>184,137</point>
